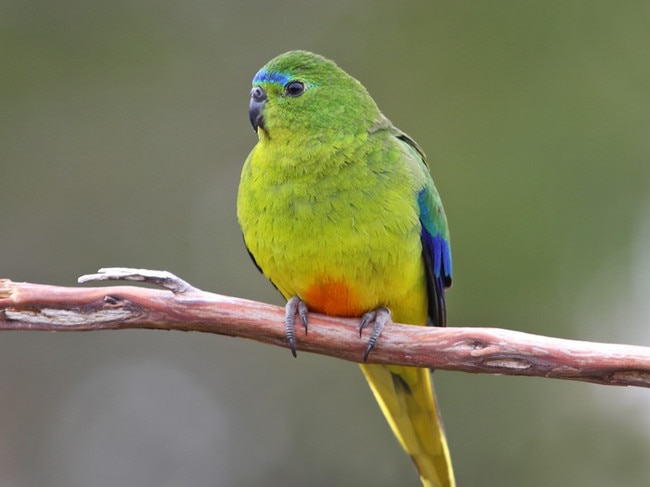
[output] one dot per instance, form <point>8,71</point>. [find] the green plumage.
<point>338,210</point>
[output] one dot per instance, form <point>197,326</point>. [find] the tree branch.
<point>182,307</point>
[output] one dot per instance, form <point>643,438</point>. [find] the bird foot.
<point>380,317</point>
<point>294,306</point>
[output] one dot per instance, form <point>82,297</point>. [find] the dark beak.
<point>258,99</point>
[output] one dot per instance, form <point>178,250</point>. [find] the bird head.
<point>300,95</point>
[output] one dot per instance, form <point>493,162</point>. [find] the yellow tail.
<point>405,395</point>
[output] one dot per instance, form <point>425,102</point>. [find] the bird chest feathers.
<point>312,230</point>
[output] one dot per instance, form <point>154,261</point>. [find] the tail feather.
<point>405,395</point>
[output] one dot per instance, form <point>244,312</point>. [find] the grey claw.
<point>293,306</point>
<point>380,316</point>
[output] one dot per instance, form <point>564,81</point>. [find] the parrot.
<point>339,211</point>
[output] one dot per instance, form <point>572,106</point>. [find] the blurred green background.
<point>123,127</point>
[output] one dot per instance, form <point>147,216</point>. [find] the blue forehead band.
<point>264,76</point>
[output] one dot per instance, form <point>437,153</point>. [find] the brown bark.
<point>25,306</point>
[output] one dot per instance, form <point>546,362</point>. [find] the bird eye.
<point>294,88</point>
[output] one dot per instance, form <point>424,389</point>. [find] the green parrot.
<point>339,211</point>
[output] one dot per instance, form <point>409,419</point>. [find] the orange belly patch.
<point>334,298</point>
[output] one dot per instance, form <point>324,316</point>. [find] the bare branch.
<point>25,306</point>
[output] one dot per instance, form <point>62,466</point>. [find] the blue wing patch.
<point>437,258</point>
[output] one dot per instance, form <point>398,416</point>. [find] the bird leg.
<point>380,316</point>
<point>293,306</point>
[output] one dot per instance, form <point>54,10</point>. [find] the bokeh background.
<point>123,127</point>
